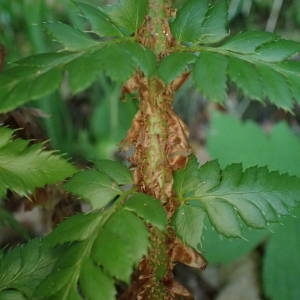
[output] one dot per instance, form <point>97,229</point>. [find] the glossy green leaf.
<point>210,76</point>
<point>187,25</point>
<point>112,253</point>
<point>147,208</point>
<point>114,59</point>
<point>234,196</point>
<point>104,246</point>
<point>189,224</point>
<point>94,283</point>
<point>246,77</point>
<point>72,39</point>
<point>116,171</point>
<point>101,23</point>
<point>32,78</point>
<point>24,167</point>
<point>187,179</point>
<point>88,64</point>
<point>291,71</point>
<point>143,58</point>
<point>24,267</point>
<point>248,41</point>
<point>278,50</point>
<point>214,27</point>
<point>258,63</point>
<point>174,64</point>
<point>223,217</point>
<point>46,83</point>
<point>50,60</point>
<point>55,282</point>
<point>44,73</point>
<point>128,14</point>
<point>93,186</point>
<point>131,230</point>
<point>76,228</point>
<point>37,84</point>
<point>276,87</point>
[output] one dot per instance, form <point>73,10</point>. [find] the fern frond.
<point>230,197</point>
<point>258,63</point>
<point>24,167</point>
<point>102,246</point>
<point>23,268</point>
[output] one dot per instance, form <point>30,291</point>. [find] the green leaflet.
<point>147,208</point>
<point>143,58</point>
<point>279,150</point>
<point>174,64</point>
<point>128,14</point>
<point>24,167</point>
<point>94,282</point>
<point>231,195</point>
<point>24,267</point>
<point>93,186</point>
<point>15,91</point>
<point>247,42</point>
<point>189,224</point>
<point>277,50</point>
<point>213,29</point>
<point>281,262</point>
<point>246,77</point>
<point>72,39</point>
<point>88,64</point>
<point>196,22</point>
<point>43,73</point>
<point>256,62</point>
<point>102,246</point>
<point>291,71</point>
<point>131,242</point>
<point>85,226</point>
<point>101,23</point>
<point>210,77</point>
<point>276,88</point>
<point>114,59</point>
<point>187,25</point>
<point>116,171</point>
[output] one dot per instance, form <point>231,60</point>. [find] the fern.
<point>103,246</point>
<point>100,187</point>
<point>23,268</point>
<point>81,55</point>
<point>131,41</point>
<point>228,197</point>
<point>257,62</point>
<point>24,167</point>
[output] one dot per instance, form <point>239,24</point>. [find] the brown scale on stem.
<point>159,140</point>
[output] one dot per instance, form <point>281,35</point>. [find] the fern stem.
<point>159,138</point>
